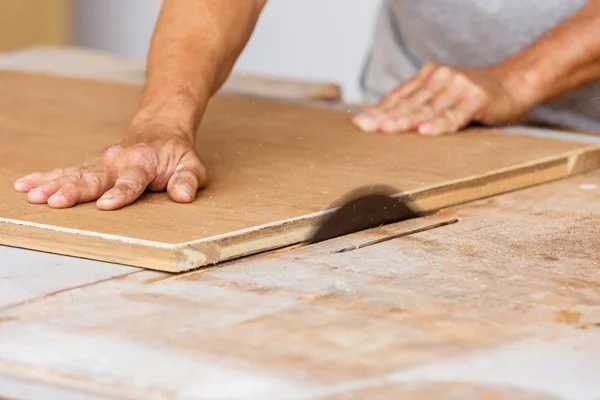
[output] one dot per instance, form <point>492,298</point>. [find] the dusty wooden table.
<point>503,304</point>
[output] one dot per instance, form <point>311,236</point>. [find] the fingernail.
<point>186,189</point>
<point>366,122</point>
<point>107,196</point>
<point>426,129</point>
<point>59,193</point>
<point>388,127</point>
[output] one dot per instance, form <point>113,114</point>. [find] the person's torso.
<point>410,33</point>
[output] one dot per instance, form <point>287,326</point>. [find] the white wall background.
<point>309,39</point>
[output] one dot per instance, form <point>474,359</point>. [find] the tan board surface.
<point>271,165</point>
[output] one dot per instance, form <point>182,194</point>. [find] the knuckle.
<point>142,156</point>
<point>73,174</point>
<point>477,95</point>
<point>142,162</point>
<point>45,187</point>
<point>187,176</point>
<point>444,70</point>
<point>426,112</point>
<point>460,79</point>
<point>69,190</point>
<point>138,157</point>
<point>70,186</point>
<point>430,66</point>
<point>450,116</point>
<point>123,191</point>
<point>184,174</point>
<point>113,151</point>
<point>130,180</point>
<point>91,178</point>
<point>179,179</point>
<point>424,94</point>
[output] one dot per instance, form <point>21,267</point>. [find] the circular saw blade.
<point>365,208</point>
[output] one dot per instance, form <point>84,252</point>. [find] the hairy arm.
<point>441,98</point>
<point>194,47</point>
<point>564,59</point>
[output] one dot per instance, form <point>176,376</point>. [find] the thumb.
<point>189,176</point>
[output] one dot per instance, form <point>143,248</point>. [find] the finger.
<point>454,119</point>
<point>407,88</point>
<point>130,185</point>
<point>370,120</point>
<point>434,85</point>
<point>409,121</point>
<point>31,181</point>
<point>450,94</point>
<point>454,92</point>
<point>43,192</point>
<point>189,176</point>
<point>400,117</point>
<point>395,97</point>
<point>89,188</point>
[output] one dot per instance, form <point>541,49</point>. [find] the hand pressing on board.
<point>442,99</point>
<point>120,174</point>
<point>194,47</point>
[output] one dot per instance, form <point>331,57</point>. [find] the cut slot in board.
<point>274,168</point>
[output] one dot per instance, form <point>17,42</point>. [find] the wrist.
<point>524,83</point>
<point>177,115</point>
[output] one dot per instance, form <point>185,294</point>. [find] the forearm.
<point>564,59</point>
<point>194,47</point>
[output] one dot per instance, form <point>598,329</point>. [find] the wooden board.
<point>33,22</point>
<point>274,168</point>
<point>503,304</point>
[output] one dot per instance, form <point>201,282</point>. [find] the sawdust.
<point>567,317</point>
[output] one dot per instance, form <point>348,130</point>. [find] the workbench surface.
<point>503,304</point>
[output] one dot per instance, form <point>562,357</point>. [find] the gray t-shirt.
<point>410,33</point>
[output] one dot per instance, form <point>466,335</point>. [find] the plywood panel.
<point>274,167</point>
<point>25,23</point>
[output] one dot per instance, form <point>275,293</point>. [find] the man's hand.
<point>120,174</point>
<point>441,99</point>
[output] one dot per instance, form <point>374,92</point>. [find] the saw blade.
<point>365,208</point>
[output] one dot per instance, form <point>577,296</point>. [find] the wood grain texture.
<point>464,312</point>
<point>274,168</point>
<point>25,23</point>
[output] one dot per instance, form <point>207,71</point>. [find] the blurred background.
<point>323,40</point>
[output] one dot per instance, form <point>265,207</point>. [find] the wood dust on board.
<point>567,317</point>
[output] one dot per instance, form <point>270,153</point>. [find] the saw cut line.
<point>396,236</point>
